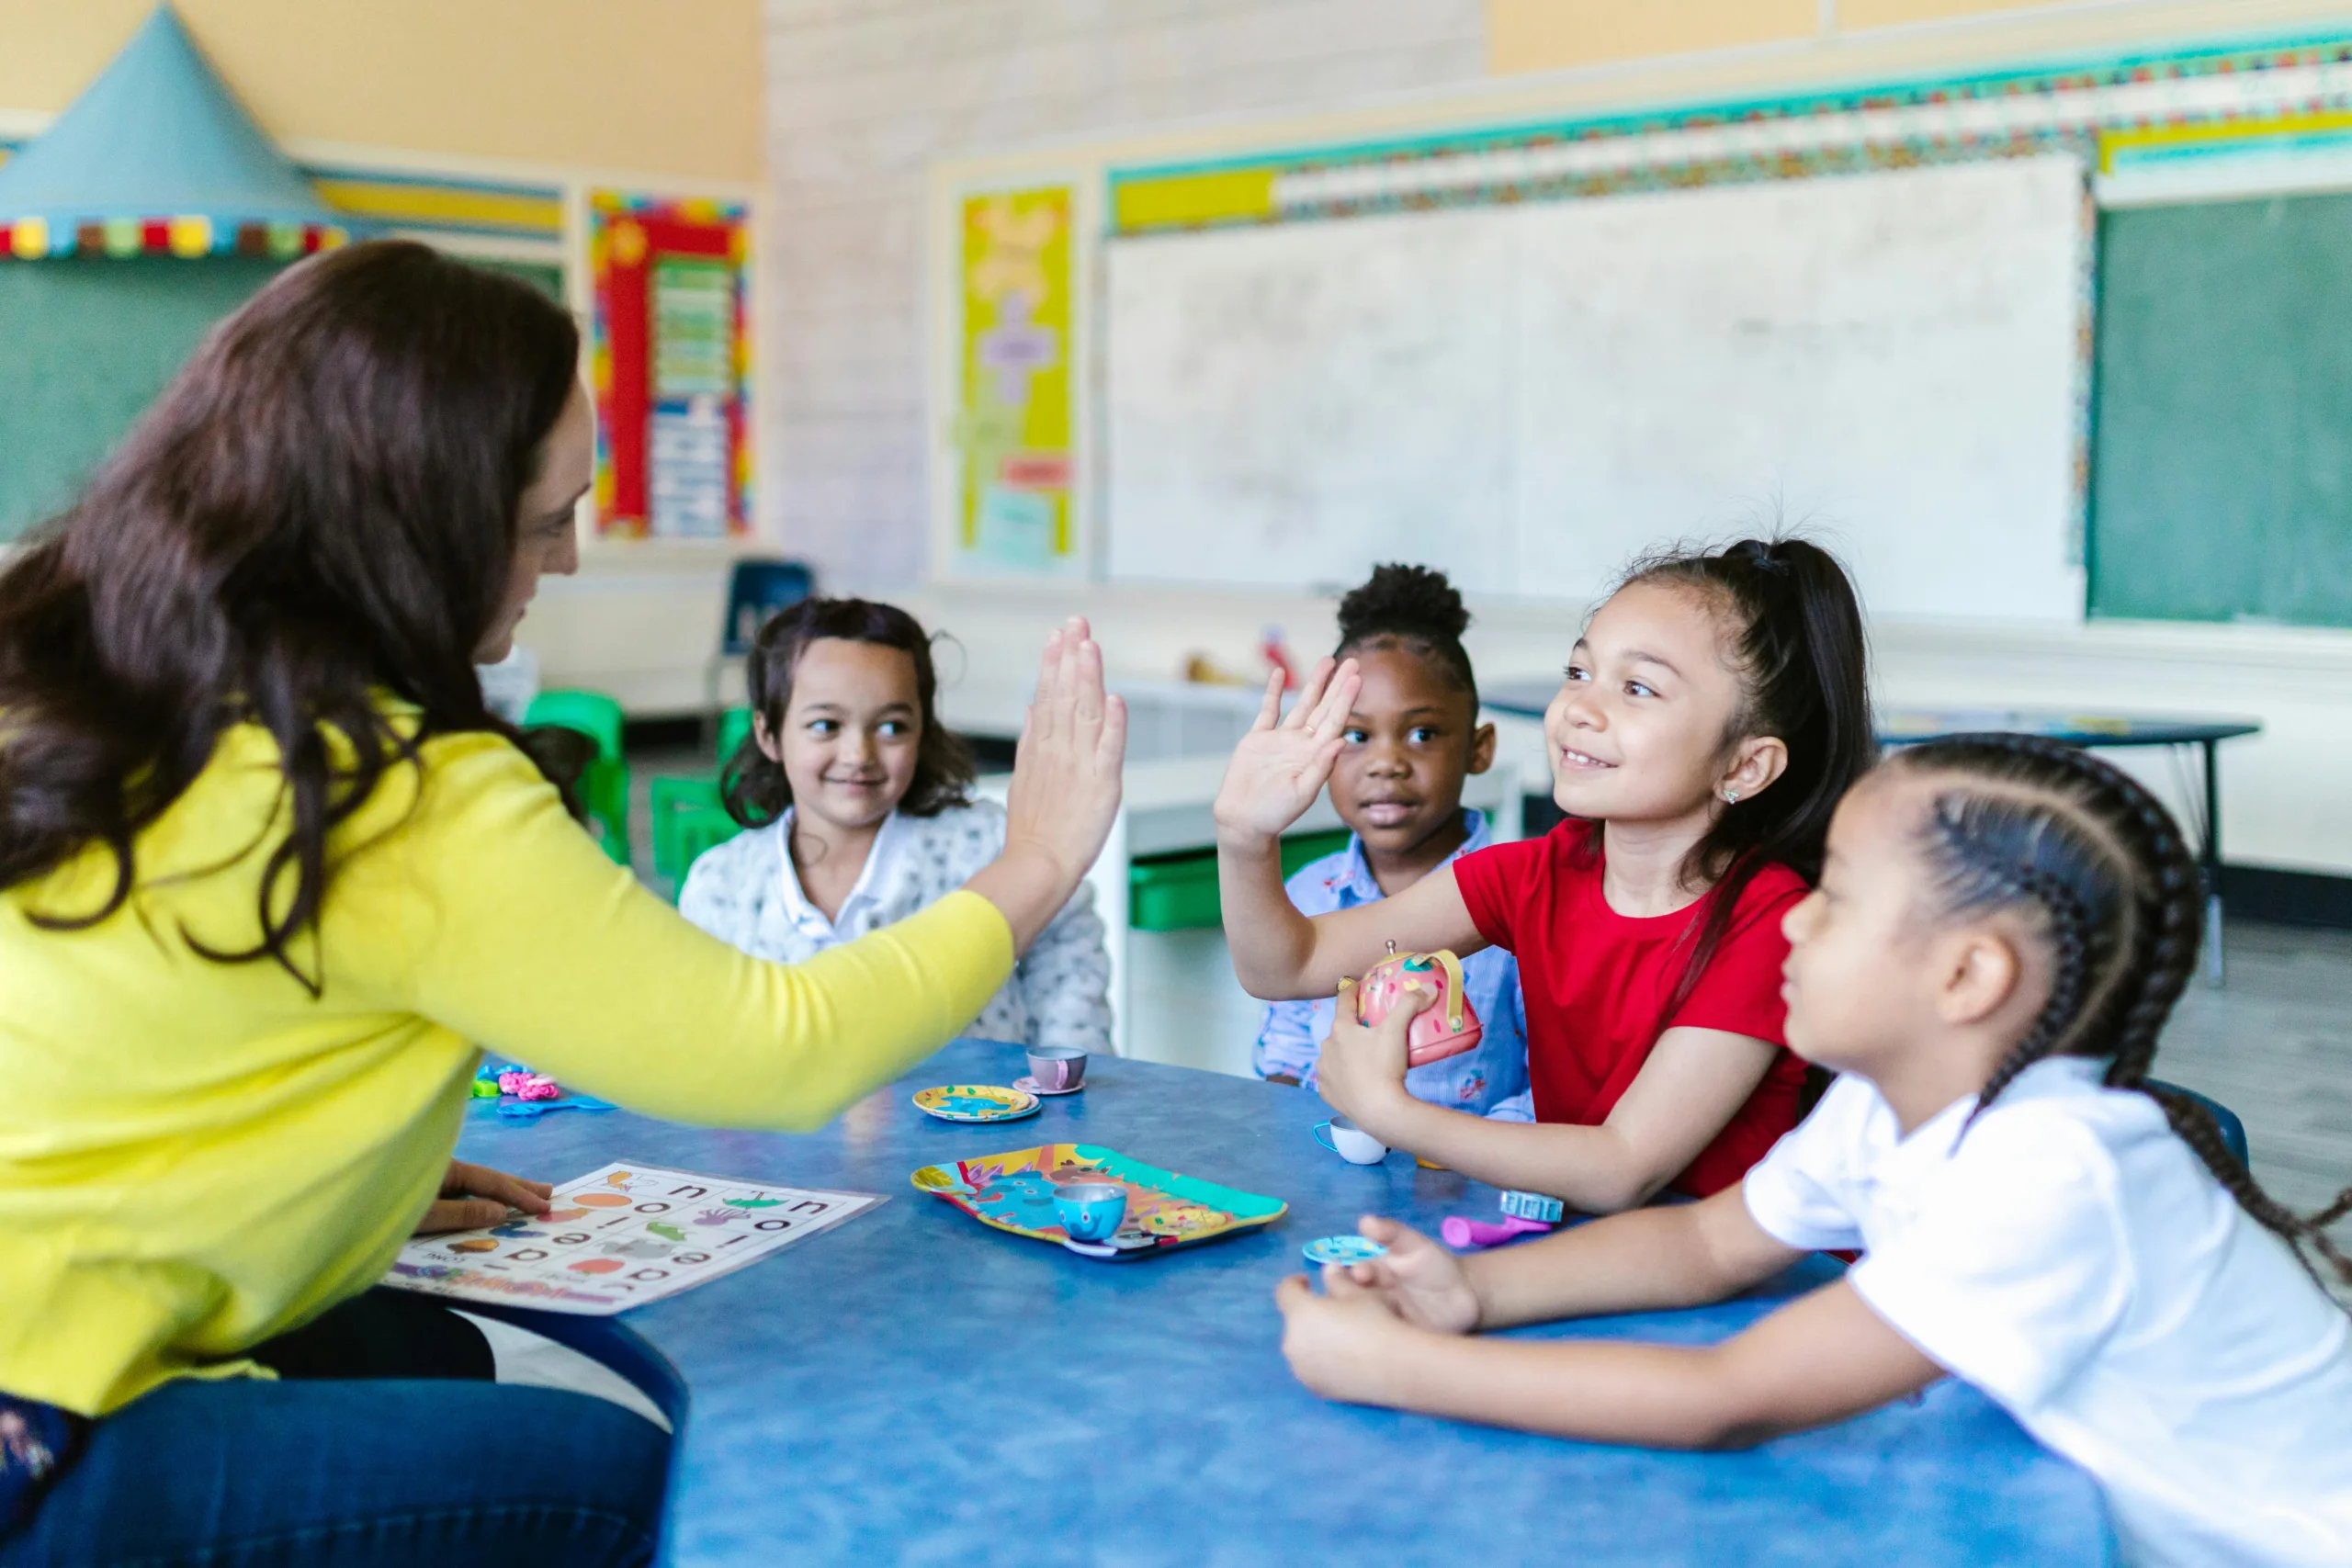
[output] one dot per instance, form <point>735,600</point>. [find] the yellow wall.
<point>1545,35</point>
<point>658,86</point>
<point>1555,35</point>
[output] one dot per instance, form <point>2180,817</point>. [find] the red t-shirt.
<point>1597,984</point>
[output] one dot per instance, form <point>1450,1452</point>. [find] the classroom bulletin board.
<point>2148,126</point>
<point>1014,426</point>
<point>670,360</point>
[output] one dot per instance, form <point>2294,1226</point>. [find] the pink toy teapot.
<point>1447,1027</point>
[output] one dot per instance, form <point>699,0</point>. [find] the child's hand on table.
<point>1360,1073</point>
<point>1347,1343</point>
<point>1419,1280</point>
<point>1282,763</point>
<point>473,1196</point>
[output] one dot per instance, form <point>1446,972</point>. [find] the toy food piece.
<point>511,1079</point>
<point>1463,1235</point>
<point>1447,1027</point>
<point>537,1086</point>
<point>1534,1206</point>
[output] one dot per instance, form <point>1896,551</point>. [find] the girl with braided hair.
<point>2002,926</point>
<point>1710,715</point>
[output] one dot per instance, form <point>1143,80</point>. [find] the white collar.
<point>879,855</point>
<point>1935,1139</point>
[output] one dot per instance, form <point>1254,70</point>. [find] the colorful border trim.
<point>2112,114</point>
<point>189,235</point>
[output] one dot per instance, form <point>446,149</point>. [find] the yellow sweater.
<point>195,1155</point>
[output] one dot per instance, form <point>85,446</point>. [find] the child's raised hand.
<point>1282,763</point>
<point>1361,1071</point>
<point>1418,1280</point>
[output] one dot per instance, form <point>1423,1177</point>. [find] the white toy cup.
<point>1351,1143</point>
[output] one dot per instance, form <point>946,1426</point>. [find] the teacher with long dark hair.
<point>271,877</point>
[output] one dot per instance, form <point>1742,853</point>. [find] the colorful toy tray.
<point>1016,1192</point>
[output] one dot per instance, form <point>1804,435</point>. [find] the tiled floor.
<point>2275,1045</point>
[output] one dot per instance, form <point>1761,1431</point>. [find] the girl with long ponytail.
<point>2002,926</point>
<point>1710,715</point>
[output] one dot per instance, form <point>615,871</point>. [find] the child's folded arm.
<point>496,917</point>
<point>1823,1358</point>
<point>1693,1085</point>
<point>1646,1260</point>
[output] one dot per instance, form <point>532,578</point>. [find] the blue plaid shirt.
<point>1488,1081</point>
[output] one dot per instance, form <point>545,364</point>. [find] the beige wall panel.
<point>1854,16</point>
<point>662,86</point>
<point>1550,35</point>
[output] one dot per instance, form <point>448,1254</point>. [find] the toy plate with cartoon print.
<point>1165,1210</point>
<point>620,1237</point>
<point>975,1103</point>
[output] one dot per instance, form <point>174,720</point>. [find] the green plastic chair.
<point>688,817</point>
<point>698,831</point>
<point>734,728</point>
<point>604,787</point>
<point>687,820</point>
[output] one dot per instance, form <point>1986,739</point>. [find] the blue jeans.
<point>363,1468</point>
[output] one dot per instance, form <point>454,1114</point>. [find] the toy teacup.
<point>1447,1027</point>
<point>1090,1211</point>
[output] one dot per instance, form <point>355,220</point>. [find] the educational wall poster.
<point>1013,423</point>
<point>671,360</point>
<point>619,1237</point>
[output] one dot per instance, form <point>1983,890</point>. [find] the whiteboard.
<point>1530,396</point>
<point>1287,403</point>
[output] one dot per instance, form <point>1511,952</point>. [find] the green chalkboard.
<point>2222,466</point>
<point>85,345</point>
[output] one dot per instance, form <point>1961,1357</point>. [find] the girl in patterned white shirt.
<point>858,805</point>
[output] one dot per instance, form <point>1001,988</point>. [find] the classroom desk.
<point>916,1388</point>
<point>1909,727</point>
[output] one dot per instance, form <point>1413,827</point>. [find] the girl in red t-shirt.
<point>1712,713</point>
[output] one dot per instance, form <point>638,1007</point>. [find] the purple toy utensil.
<point>1461,1235</point>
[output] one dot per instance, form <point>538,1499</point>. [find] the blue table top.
<point>913,1386</point>
<point>1901,726</point>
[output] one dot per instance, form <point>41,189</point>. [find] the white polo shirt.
<point>2074,1260</point>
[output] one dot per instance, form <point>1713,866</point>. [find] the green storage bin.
<point>1178,892</point>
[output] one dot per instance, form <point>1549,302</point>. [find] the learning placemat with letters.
<point>619,1237</point>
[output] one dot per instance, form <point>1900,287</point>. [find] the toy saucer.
<point>1028,1085</point>
<point>1343,1249</point>
<point>975,1103</point>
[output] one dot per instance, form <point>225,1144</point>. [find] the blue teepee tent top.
<point>157,155</point>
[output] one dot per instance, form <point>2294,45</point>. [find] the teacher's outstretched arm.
<point>505,923</point>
